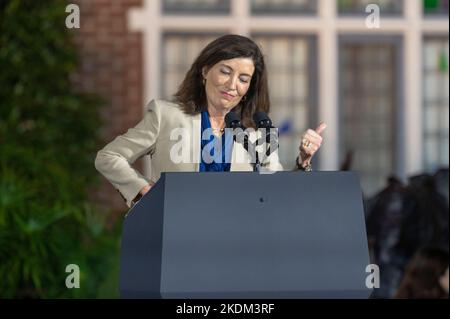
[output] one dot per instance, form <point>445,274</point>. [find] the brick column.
<point>110,65</point>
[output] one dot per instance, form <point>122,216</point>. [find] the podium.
<point>247,236</point>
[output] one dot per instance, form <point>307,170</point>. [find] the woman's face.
<point>227,82</point>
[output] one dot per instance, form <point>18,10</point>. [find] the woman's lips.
<point>227,96</point>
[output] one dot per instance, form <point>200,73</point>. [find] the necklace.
<point>217,131</point>
<point>217,120</point>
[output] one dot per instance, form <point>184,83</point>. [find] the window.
<point>368,109</point>
<point>358,7</point>
<point>436,103</point>
<point>285,7</point>
<point>289,62</point>
<point>179,52</point>
<point>196,6</point>
<point>366,93</point>
<point>435,7</point>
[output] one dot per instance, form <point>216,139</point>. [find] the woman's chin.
<point>226,105</point>
<point>224,102</point>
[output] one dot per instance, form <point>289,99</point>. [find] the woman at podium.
<point>188,134</point>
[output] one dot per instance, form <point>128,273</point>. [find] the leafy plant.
<point>48,138</point>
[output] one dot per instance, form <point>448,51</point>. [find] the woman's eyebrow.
<point>245,74</point>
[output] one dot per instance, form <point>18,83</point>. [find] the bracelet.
<point>308,167</point>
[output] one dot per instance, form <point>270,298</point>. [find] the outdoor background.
<point>383,92</point>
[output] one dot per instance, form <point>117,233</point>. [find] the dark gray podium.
<point>246,235</point>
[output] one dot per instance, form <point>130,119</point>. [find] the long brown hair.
<point>421,280</point>
<point>191,95</point>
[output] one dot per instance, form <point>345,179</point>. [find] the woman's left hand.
<point>310,143</point>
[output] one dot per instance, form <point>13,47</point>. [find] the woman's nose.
<point>231,83</point>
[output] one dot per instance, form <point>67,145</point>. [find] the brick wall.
<point>110,65</point>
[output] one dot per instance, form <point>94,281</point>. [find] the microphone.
<point>233,121</point>
<point>263,121</point>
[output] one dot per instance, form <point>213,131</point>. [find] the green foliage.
<point>48,139</point>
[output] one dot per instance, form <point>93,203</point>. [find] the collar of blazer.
<point>240,159</point>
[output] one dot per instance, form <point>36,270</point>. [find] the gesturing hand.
<point>310,143</point>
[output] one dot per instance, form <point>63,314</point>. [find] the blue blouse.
<point>211,162</point>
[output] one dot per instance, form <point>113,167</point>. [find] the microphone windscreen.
<point>232,120</point>
<point>262,120</point>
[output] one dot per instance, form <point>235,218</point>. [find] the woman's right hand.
<point>145,190</point>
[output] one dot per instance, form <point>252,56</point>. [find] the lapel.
<point>196,139</point>
<point>239,159</point>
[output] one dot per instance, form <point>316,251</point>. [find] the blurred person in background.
<point>441,178</point>
<point>444,281</point>
<point>384,224</point>
<point>424,275</point>
<point>400,220</point>
<point>427,218</point>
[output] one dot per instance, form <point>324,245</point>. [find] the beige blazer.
<point>172,139</point>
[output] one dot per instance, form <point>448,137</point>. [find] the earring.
<point>244,98</point>
<point>204,81</point>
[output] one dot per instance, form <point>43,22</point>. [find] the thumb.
<point>321,128</point>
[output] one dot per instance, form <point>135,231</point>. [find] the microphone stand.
<point>269,148</point>
<point>256,164</point>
